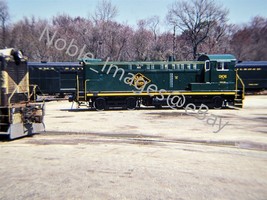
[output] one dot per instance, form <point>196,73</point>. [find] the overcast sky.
<point>241,11</point>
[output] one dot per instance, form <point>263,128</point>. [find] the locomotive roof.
<point>12,53</point>
<point>217,57</point>
<point>54,64</point>
<point>252,64</point>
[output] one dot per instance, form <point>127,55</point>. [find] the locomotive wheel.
<point>131,103</point>
<point>217,102</point>
<point>100,104</point>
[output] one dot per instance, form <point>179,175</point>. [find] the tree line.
<point>197,26</point>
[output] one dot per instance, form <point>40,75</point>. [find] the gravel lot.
<point>140,154</point>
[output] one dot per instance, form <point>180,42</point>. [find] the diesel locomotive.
<point>211,80</point>
<point>18,116</point>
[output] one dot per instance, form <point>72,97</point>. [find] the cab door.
<point>207,74</point>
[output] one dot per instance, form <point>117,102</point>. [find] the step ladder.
<point>240,93</point>
<point>81,96</point>
<point>238,101</point>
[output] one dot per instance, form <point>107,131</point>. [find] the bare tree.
<point>202,26</point>
<point>153,25</point>
<point>103,19</point>
<point>105,11</point>
<point>25,36</point>
<point>142,42</point>
<point>4,17</point>
<point>117,38</point>
<point>249,42</point>
<point>196,18</point>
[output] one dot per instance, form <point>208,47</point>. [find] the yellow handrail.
<point>13,93</point>
<point>78,88</point>
<point>33,92</point>
<point>85,88</point>
<point>242,83</point>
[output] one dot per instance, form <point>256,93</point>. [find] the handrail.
<point>78,88</point>
<point>13,93</point>
<point>9,101</point>
<point>33,92</point>
<point>242,83</point>
<point>85,88</point>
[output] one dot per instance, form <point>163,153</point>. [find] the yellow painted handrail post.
<point>243,86</point>
<point>236,83</point>
<point>77,88</point>
<point>9,101</point>
<point>33,93</point>
<point>85,88</point>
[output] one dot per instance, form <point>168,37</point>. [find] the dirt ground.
<point>140,154</point>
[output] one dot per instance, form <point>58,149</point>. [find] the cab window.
<point>219,66</point>
<point>207,65</point>
<point>226,66</point>
<point>222,66</point>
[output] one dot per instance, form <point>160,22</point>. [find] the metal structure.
<point>18,116</point>
<point>60,78</point>
<point>211,80</point>
<point>254,75</point>
<point>54,78</point>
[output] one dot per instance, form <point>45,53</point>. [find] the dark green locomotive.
<point>211,80</point>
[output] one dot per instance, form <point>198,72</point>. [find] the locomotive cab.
<point>218,73</point>
<point>219,68</point>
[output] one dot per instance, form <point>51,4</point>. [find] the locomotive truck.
<point>18,116</point>
<point>211,80</point>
